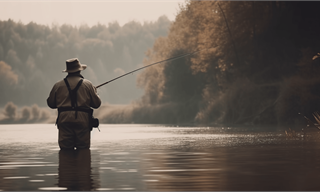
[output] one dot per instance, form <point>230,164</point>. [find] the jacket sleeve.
<point>95,99</point>
<point>51,101</point>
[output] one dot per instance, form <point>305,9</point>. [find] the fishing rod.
<point>172,58</point>
<point>180,56</point>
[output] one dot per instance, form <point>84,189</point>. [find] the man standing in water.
<point>74,96</point>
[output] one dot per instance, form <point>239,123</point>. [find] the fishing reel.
<point>94,123</point>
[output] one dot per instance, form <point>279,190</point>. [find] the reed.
<point>310,132</point>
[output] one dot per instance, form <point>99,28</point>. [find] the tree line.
<point>32,57</point>
<point>256,66</point>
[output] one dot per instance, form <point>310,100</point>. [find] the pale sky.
<point>78,12</point>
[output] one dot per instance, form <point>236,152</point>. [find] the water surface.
<point>157,157</point>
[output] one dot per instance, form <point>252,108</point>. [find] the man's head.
<point>74,65</point>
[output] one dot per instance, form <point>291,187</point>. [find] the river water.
<point>157,158</point>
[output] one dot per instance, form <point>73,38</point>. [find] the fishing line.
<point>169,59</point>
<point>176,57</point>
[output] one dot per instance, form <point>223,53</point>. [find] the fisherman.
<point>73,97</point>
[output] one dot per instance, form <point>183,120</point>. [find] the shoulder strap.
<point>76,88</point>
<point>73,94</point>
<point>67,83</point>
<point>78,85</point>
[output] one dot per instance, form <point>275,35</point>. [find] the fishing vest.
<point>74,103</point>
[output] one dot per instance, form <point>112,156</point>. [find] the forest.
<point>255,64</point>
<point>32,57</point>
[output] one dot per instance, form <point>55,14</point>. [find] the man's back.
<point>86,97</point>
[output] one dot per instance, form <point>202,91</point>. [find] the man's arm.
<point>51,101</point>
<point>95,99</point>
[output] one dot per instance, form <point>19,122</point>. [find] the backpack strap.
<point>73,95</point>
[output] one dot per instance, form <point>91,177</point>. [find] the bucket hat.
<point>74,65</point>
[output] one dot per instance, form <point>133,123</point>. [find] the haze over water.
<point>158,157</point>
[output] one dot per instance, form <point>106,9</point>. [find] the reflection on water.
<point>136,157</point>
<point>184,171</point>
<point>250,168</point>
<point>75,170</point>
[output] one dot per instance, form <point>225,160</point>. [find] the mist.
<point>255,66</point>
<point>12,114</point>
<point>32,57</point>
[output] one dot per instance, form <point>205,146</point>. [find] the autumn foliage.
<point>255,66</point>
